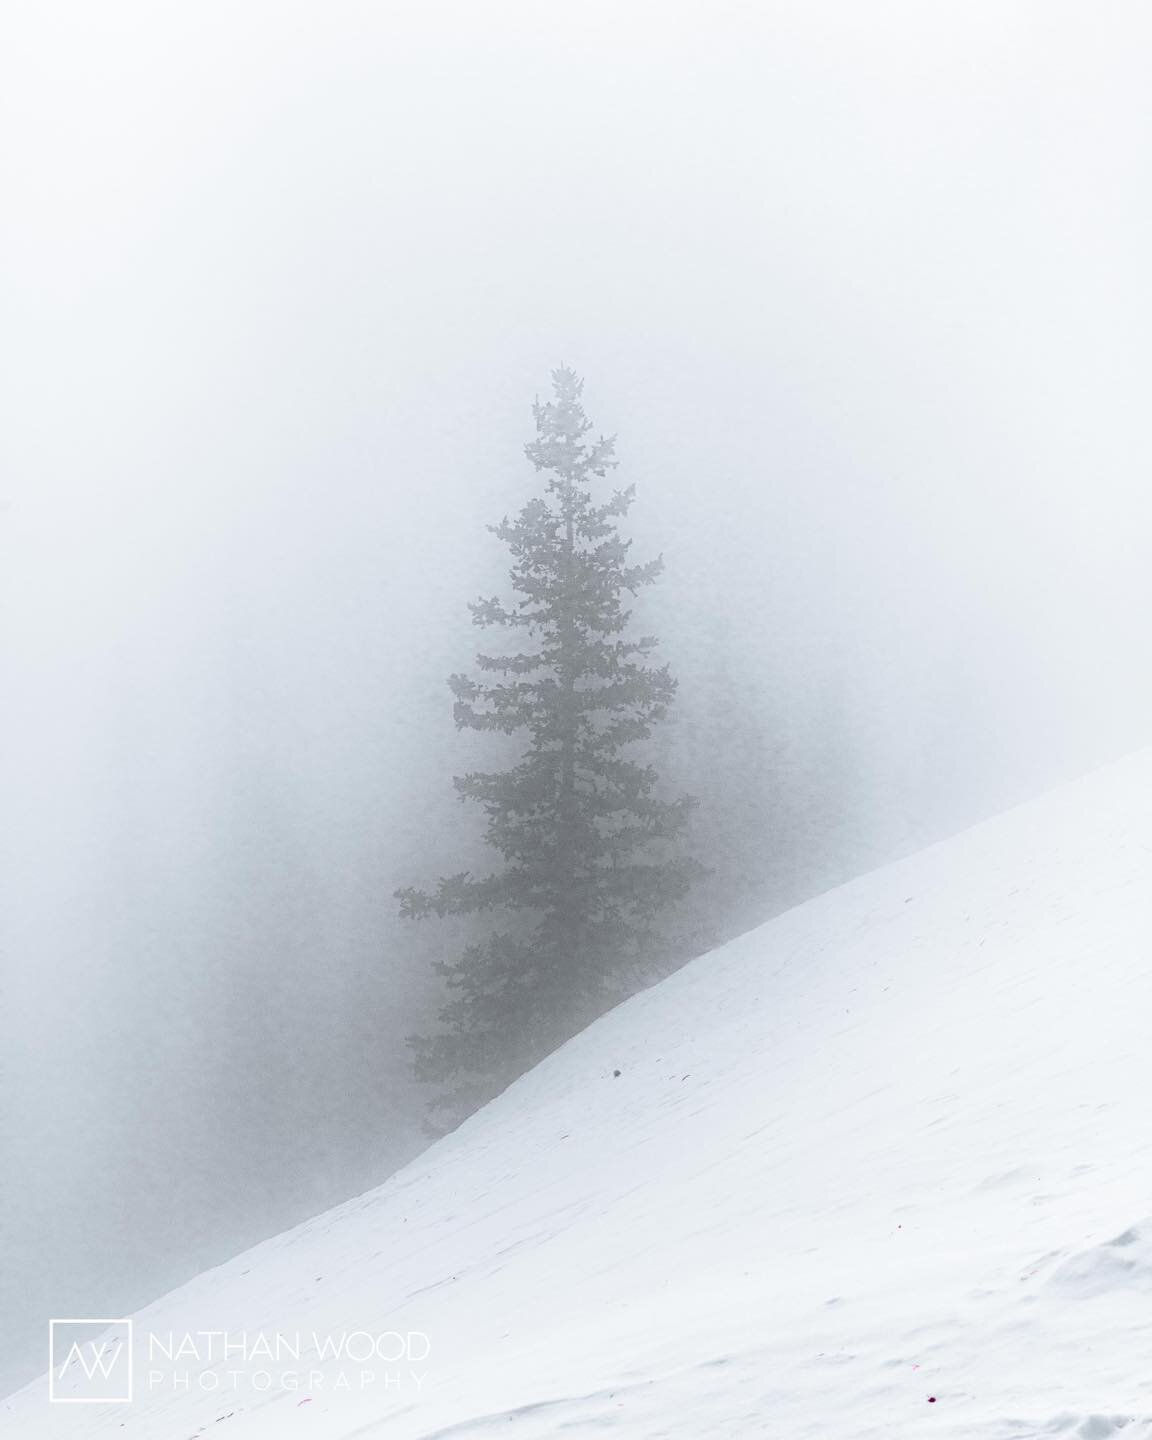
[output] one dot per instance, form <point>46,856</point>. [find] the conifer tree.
<point>587,844</point>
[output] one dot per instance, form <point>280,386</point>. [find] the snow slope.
<point>880,1168</point>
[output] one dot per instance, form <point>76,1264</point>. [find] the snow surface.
<point>893,1145</point>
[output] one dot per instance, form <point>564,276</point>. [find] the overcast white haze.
<point>862,288</point>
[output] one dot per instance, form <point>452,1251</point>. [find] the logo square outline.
<point>53,1398</point>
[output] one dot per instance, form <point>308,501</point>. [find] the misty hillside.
<point>861,291</point>
<point>879,1168</point>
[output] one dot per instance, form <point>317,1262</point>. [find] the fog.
<point>864,292</point>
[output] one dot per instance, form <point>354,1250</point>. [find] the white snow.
<point>894,1145</point>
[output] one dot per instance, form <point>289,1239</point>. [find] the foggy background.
<point>862,288</point>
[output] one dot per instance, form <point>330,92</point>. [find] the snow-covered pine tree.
<point>587,844</point>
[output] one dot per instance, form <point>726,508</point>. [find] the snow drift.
<point>880,1168</point>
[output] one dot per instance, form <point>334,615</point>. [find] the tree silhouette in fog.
<point>589,847</point>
